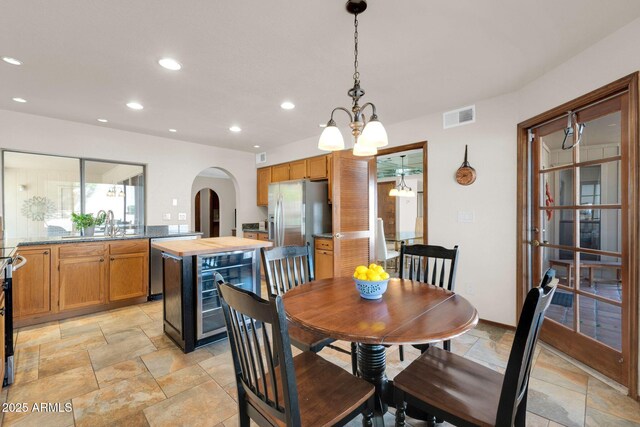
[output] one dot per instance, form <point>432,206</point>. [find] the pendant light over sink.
<point>368,136</point>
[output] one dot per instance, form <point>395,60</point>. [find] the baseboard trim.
<point>498,324</point>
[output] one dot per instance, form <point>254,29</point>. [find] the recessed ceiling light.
<point>12,61</point>
<point>235,129</point>
<point>170,64</point>
<point>172,130</point>
<point>256,146</point>
<point>103,120</point>
<point>287,105</point>
<point>135,105</point>
<point>22,100</point>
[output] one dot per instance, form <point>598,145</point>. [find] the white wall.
<point>172,165</point>
<point>227,196</point>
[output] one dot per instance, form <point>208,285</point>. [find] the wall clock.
<point>465,175</point>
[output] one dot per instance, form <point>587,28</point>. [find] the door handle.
<point>535,243</point>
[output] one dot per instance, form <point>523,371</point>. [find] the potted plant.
<point>86,223</point>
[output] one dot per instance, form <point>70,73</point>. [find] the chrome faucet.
<point>110,227</point>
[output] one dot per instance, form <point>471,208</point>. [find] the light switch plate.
<point>466,216</point>
<point>182,216</point>
<point>174,202</point>
<point>166,217</point>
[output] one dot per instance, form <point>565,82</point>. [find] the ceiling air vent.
<point>459,117</point>
<point>261,158</point>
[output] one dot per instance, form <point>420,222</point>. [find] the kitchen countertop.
<point>150,233</point>
<point>209,246</point>
<point>323,236</point>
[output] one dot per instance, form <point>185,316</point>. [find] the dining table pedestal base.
<point>372,365</point>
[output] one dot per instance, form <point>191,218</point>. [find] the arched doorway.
<point>213,203</point>
<point>207,212</point>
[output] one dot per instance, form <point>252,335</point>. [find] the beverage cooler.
<point>238,268</point>
<point>192,312</point>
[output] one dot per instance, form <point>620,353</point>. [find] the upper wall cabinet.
<point>264,179</point>
<point>317,167</point>
<point>298,169</point>
<point>280,172</point>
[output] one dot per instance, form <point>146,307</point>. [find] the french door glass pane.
<point>600,184</point>
<point>559,229</point>
<point>557,188</point>
<point>601,138</point>
<point>551,153</point>
<point>561,308</point>
<point>601,321</point>
<point>600,230</point>
<point>563,267</point>
<point>601,276</point>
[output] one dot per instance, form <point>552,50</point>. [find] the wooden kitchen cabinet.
<point>128,269</point>
<point>250,235</point>
<point>264,179</point>
<point>298,169</point>
<point>82,281</point>
<point>32,283</point>
<point>317,168</point>
<point>263,236</point>
<point>280,173</point>
<point>323,258</point>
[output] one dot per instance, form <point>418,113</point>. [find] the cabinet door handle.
<point>113,259</point>
<point>2,311</point>
<point>45,253</point>
<point>101,259</point>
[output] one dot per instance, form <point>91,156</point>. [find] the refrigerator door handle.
<point>282,227</point>
<point>276,222</point>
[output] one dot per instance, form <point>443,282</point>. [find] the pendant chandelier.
<point>402,189</point>
<point>368,135</point>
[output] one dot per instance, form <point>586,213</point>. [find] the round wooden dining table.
<point>409,312</point>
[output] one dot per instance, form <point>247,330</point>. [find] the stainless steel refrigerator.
<point>297,211</point>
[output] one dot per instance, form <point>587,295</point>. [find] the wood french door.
<point>579,216</point>
<point>353,202</point>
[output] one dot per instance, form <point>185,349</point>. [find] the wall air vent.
<point>459,117</point>
<point>261,158</point>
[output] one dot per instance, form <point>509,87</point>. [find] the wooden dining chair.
<point>466,393</point>
<point>285,268</point>
<point>430,264</point>
<point>275,388</point>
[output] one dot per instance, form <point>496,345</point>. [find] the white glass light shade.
<point>331,139</point>
<point>360,149</point>
<point>393,192</point>
<point>374,134</point>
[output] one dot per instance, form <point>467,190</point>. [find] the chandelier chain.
<point>356,73</point>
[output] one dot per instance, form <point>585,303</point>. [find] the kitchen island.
<point>192,314</point>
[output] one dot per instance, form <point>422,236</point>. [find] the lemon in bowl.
<point>371,281</point>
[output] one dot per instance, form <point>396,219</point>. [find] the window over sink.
<point>42,191</point>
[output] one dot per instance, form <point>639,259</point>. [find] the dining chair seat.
<point>327,393</point>
<point>449,382</point>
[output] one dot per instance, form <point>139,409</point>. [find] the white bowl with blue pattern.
<point>371,290</point>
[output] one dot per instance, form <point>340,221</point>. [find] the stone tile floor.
<point>117,368</point>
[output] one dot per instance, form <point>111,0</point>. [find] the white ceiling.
<point>84,59</point>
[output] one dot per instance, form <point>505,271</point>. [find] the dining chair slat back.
<point>516,377</point>
<point>430,264</point>
<point>287,267</point>
<point>434,265</point>
<point>257,357</point>
<point>469,393</point>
